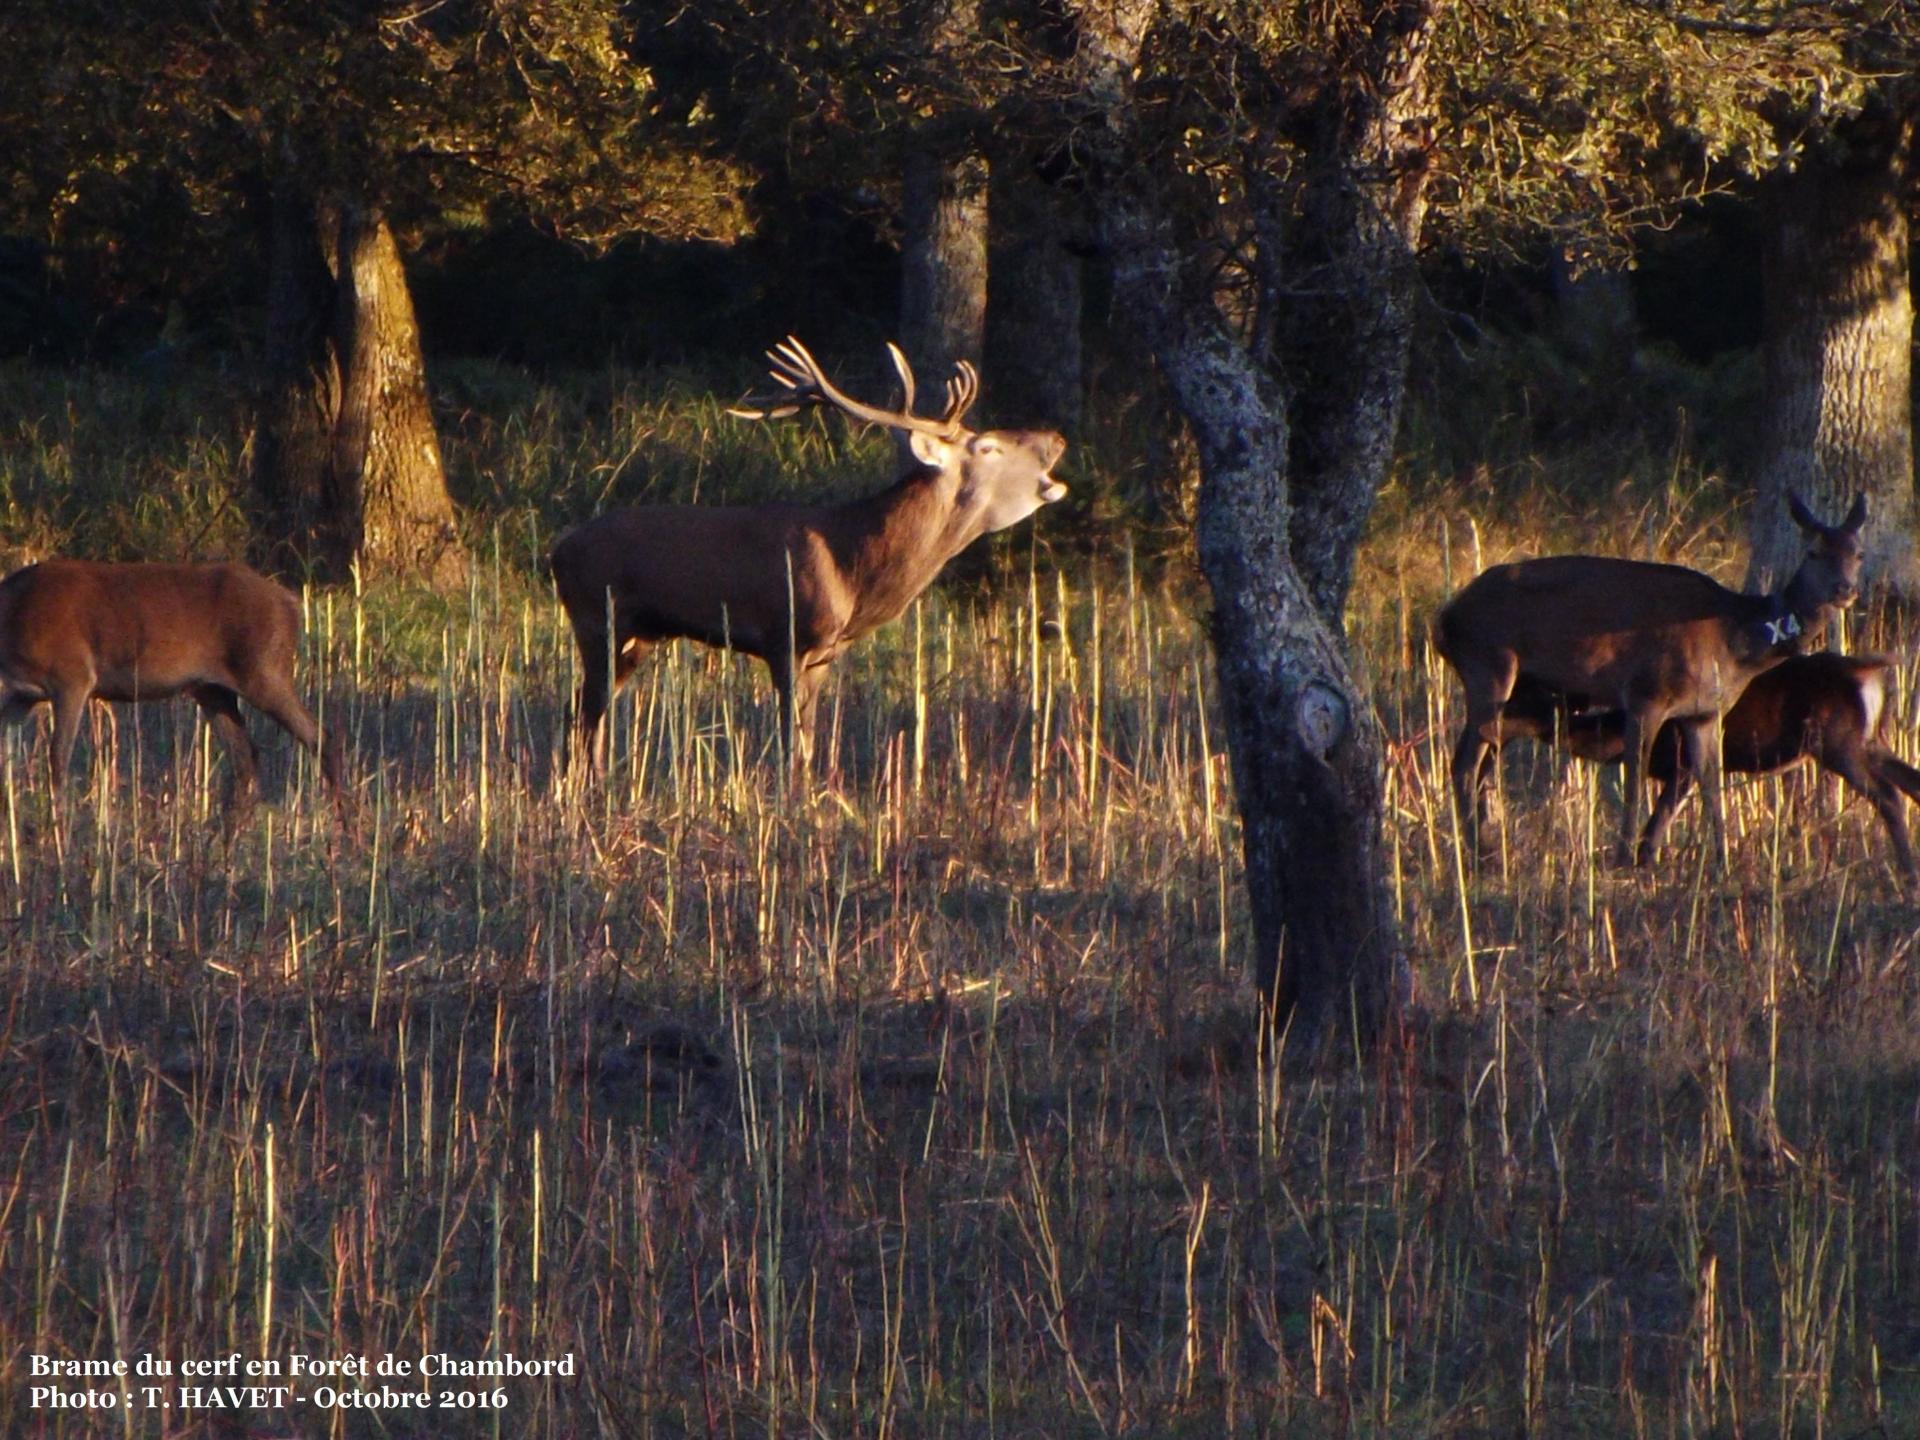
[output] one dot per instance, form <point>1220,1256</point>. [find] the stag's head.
<point>1828,579</point>
<point>1000,477</point>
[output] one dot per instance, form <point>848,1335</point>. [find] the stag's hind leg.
<point>604,669</point>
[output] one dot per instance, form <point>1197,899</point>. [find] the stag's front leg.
<point>797,683</point>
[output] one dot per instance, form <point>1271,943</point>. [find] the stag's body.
<point>794,585</point>
<point>1826,708</point>
<point>75,630</point>
<point>1658,643</point>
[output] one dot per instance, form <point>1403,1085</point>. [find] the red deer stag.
<point>1659,643</point>
<point>795,585</point>
<point>1827,708</point>
<point>76,630</point>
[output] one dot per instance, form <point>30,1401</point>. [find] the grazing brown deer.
<point>795,585</point>
<point>76,630</point>
<point>1659,643</point>
<point>1827,708</point>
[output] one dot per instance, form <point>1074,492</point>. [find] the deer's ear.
<point>1802,516</point>
<point>929,450</point>
<point>1857,516</point>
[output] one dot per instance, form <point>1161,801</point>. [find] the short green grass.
<point>922,1103</point>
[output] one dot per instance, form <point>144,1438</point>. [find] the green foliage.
<point>119,466</point>
<point>129,124</point>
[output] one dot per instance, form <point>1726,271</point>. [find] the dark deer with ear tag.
<point>1658,643</point>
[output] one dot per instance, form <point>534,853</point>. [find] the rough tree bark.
<point>1302,734</point>
<point>1304,740</point>
<point>943,205</point>
<point>1033,310</point>
<point>1836,415</point>
<point>346,463</point>
<point>943,262</point>
<point>1345,298</point>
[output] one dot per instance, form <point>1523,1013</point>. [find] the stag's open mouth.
<point>1053,490</point>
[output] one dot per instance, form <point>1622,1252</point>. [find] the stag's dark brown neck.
<point>891,545</point>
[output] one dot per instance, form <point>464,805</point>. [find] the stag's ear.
<point>1857,516</point>
<point>1802,516</point>
<point>929,450</point>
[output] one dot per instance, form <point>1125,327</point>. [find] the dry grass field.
<point>921,1102</point>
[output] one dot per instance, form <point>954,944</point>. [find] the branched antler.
<point>803,383</point>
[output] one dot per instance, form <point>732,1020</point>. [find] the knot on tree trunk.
<point>1321,717</point>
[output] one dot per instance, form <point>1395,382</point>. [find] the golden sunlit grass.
<point>923,1102</point>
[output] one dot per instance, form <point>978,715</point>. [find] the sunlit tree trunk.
<point>346,464</point>
<point>1836,415</point>
<point>1305,743</point>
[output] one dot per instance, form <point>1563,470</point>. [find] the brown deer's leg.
<point>272,696</point>
<point>1640,729</point>
<point>69,705</point>
<point>222,709</point>
<point>1486,691</point>
<point>1883,777</point>
<point>1702,756</point>
<point>1674,762</point>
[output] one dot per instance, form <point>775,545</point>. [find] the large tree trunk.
<point>943,280</point>
<point>1033,309</point>
<point>1304,740</point>
<point>943,204</point>
<point>1836,416</point>
<point>1345,298</point>
<point>346,465</point>
<point>1287,483</point>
